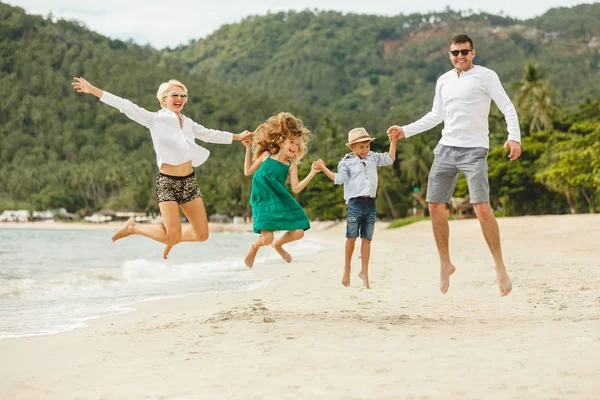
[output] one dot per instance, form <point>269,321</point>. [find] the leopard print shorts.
<point>177,188</point>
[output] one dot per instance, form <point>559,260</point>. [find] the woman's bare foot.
<point>504,282</point>
<point>126,230</point>
<point>346,278</point>
<point>166,251</point>
<point>250,255</point>
<point>445,272</point>
<point>365,279</point>
<point>284,254</point>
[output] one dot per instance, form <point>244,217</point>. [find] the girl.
<point>280,143</point>
<point>176,153</point>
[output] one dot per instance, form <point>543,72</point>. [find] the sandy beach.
<point>305,336</point>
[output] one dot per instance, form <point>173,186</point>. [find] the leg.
<point>475,169</point>
<point>441,233</point>
<point>265,239</point>
<point>367,229</point>
<point>287,237</point>
<point>365,253</point>
<point>442,181</point>
<point>196,215</point>
<point>350,243</point>
<point>168,233</point>
<point>491,233</point>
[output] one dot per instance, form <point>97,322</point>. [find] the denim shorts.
<point>361,218</point>
<point>181,189</point>
<point>471,161</point>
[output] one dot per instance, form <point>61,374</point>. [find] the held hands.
<point>318,165</point>
<point>247,142</point>
<point>515,149</point>
<point>242,136</point>
<point>395,132</point>
<point>81,85</point>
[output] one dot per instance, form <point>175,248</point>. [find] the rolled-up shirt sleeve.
<point>211,135</point>
<point>498,94</point>
<point>382,159</point>
<point>342,175</point>
<point>131,110</point>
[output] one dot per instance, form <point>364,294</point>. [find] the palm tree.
<point>416,157</point>
<point>534,99</point>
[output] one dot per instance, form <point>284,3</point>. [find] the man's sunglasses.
<point>464,52</point>
<point>175,94</point>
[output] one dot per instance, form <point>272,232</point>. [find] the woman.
<point>176,154</point>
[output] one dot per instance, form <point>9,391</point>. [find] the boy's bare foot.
<point>166,251</point>
<point>504,282</point>
<point>284,254</point>
<point>346,278</point>
<point>125,231</point>
<point>365,279</point>
<point>445,272</point>
<point>250,255</point>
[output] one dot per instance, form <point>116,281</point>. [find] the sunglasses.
<point>175,94</point>
<point>464,52</point>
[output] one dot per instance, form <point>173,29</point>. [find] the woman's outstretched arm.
<point>133,111</point>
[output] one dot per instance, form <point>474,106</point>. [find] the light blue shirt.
<point>359,175</point>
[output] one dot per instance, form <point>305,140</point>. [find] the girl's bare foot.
<point>166,251</point>
<point>126,230</point>
<point>445,272</point>
<point>365,279</point>
<point>250,255</point>
<point>504,282</point>
<point>346,278</point>
<point>284,254</point>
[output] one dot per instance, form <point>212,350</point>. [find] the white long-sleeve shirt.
<point>174,144</point>
<point>463,104</point>
<point>359,175</point>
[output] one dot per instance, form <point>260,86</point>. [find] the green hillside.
<point>59,148</point>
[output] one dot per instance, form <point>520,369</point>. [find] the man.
<point>462,101</point>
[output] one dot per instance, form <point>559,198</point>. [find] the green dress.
<point>273,207</point>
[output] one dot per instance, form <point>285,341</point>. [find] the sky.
<point>163,23</point>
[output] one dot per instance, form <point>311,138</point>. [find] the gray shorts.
<point>471,161</point>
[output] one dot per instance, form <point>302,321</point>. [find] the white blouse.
<point>174,144</point>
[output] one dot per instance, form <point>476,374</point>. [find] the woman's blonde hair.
<point>163,89</point>
<point>271,134</point>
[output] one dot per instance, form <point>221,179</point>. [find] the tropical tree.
<point>534,99</point>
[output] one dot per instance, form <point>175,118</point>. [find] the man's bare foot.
<point>504,282</point>
<point>445,272</point>
<point>166,251</point>
<point>346,278</point>
<point>125,231</point>
<point>284,254</point>
<point>250,256</point>
<point>365,279</point>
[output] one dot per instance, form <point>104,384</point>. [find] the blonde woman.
<point>177,153</point>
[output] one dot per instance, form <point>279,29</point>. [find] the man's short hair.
<point>462,39</point>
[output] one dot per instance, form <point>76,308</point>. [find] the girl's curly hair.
<point>271,134</point>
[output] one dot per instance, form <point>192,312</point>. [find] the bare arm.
<point>249,167</point>
<point>297,187</point>
<point>320,165</point>
<point>392,152</point>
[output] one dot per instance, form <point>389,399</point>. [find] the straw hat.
<point>358,135</point>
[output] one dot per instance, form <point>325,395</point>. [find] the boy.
<point>357,171</point>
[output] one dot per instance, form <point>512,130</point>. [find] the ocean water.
<point>55,280</point>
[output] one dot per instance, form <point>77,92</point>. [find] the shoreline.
<point>304,335</point>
